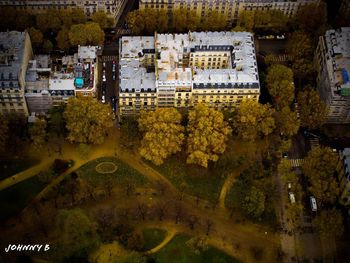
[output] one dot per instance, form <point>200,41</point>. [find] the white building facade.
<point>181,70</point>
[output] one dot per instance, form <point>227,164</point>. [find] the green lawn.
<point>122,174</point>
<point>196,180</point>
<point>153,237</point>
<point>178,252</point>
<point>13,166</point>
<point>16,197</point>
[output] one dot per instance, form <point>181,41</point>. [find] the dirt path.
<point>228,183</point>
<point>167,239</point>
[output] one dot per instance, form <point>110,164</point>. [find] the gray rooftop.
<point>11,53</point>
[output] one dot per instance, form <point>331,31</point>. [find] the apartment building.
<point>113,8</point>
<point>343,169</point>
<point>332,61</point>
<point>230,9</point>
<point>15,53</point>
<point>37,93</point>
<point>182,70</point>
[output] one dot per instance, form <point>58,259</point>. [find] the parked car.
<point>113,76</point>
<point>103,99</point>
<point>113,102</point>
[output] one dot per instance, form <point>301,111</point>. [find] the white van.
<point>313,204</point>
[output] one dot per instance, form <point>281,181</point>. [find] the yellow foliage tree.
<point>207,135</point>
<point>87,120</point>
<point>253,119</point>
<point>162,134</point>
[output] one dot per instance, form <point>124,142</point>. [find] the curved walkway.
<point>166,240</point>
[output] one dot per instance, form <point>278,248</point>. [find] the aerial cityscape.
<point>175,131</point>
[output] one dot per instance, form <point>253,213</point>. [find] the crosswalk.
<point>109,58</point>
<point>314,142</point>
<point>280,58</point>
<point>296,162</point>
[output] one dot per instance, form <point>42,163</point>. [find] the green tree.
<point>313,111</point>
<point>78,16</point>
<point>253,119</point>
<point>162,21</point>
<point>36,37</point>
<point>101,18</point>
<point>287,122</point>
<point>47,46</point>
<point>246,20</point>
<point>63,39</point>
<point>37,132</point>
<point>254,203</point>
<point>4,130</point>
<point>319,167</point>
<point>162,134</point>
<point>76,233</point>
<point>280,84</point>
<point>207,135</point>
<point>87,120</point>
<point>179,21</point>
<point>329,223</point>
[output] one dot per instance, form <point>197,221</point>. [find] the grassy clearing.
<point>152,237</point>
<point>205,183</point>
<point>123,174</point>
<point>16,197</point>
<point>13,166</point>
<point>178,252</point>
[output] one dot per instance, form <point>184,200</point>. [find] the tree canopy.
<point>280,84</point>
<point>162,134</point>
<point>313,111</point>
<point>272,21</point>
<point>86,34</point>
<point>319,167</point>
<point>101,18</point>
<point>311,17</point>
<point>254,203</point>
<point>253,119</point>
<point>207,135</point>
<point>87,120</point>
<point>76,233</point>
<point>287,122</point>
<point>36,37</point>
<point>329,223</point>
<point>37,132</point>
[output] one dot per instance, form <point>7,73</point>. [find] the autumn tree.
<point>214,21</point>
<point>35,36</point>
<point>76,233</point>
<point>198,244</point>
<point>253,119</point>
<point>162,134</point>
<point>287,122</point>
<point>329,223</point>
<point>254,203</point>
<point>299,48</point>
<point>87,120</point>
<point>4,132</point>
<point>49,21</point>
<point>132,257</point>
<point>311,17</point>
<point>319,167</point>
<point>37,132</point>
<point>313,111</point>
<point>207,135</point>
<point>63,39</point>
<point>86,34</point>
<point>101,18</point>
<point>280,84</point>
